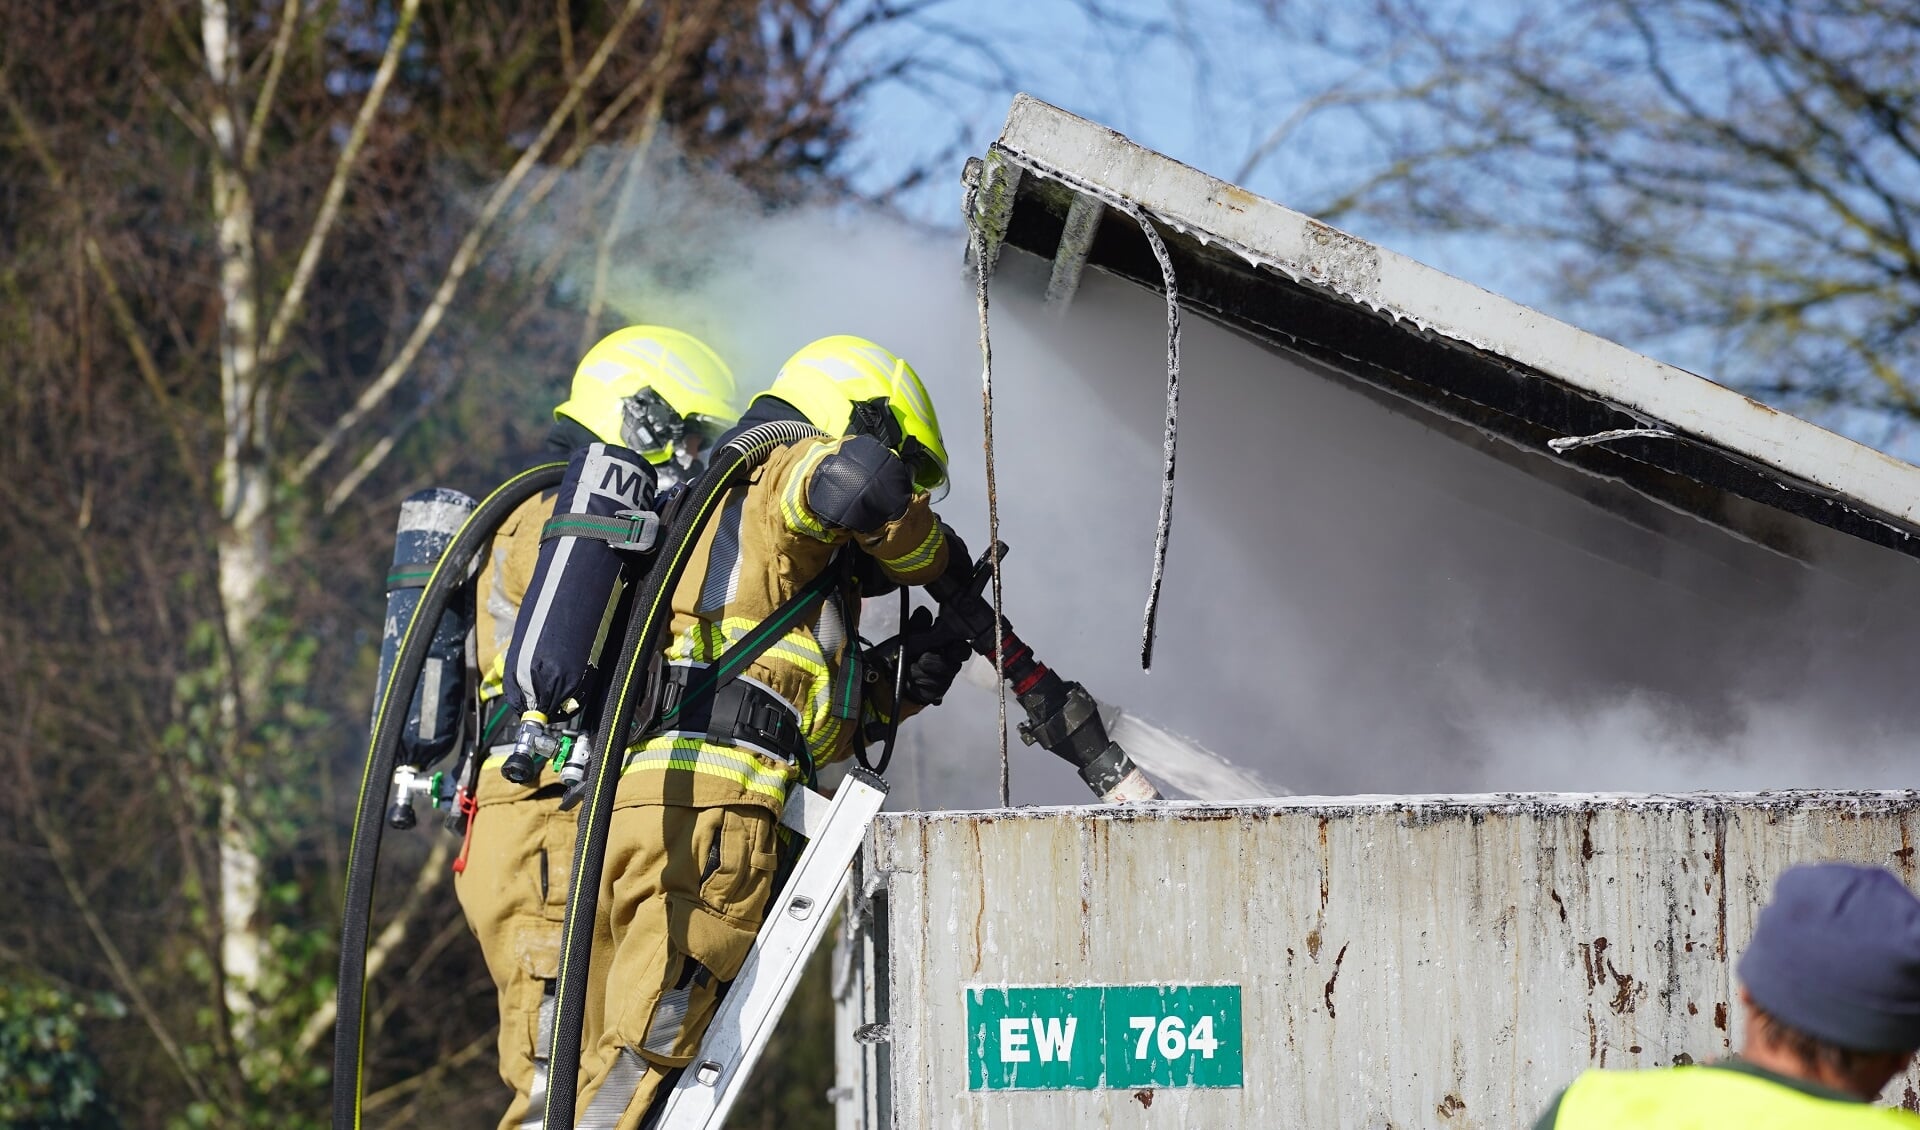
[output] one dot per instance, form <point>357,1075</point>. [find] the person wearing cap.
<point>1831,987</point>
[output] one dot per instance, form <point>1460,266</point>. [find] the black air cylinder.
<point>575,582</point>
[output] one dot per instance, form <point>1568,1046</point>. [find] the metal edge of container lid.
<point>1487,361</point>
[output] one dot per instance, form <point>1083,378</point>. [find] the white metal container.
<point>1397,962</point>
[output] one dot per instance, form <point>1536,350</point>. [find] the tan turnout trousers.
<point>681,900</point>
<point>514,893</point>
<point>514,887</point>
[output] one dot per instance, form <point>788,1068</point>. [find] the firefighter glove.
<point>933,658</point>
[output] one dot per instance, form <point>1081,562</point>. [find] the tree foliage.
<point>49,1080</point>
<point>254,293</point>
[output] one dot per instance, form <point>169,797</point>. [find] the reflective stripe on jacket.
<point>1708,1098</point>
<point>762,545</point>
<point>504,577</point>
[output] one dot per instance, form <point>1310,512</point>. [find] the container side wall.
<point>1427,963</point>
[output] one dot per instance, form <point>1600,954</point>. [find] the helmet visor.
<point>929,473</point>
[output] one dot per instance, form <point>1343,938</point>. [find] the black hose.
<point>899,690</point>
<point>652,612</point>
<point>363,858</point>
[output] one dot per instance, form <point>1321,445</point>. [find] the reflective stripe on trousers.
<point>616,1094</point>
<point>542,1052</point>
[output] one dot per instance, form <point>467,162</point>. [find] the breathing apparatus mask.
<point>676,445</point>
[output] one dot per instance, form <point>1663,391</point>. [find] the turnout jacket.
<point>765,541</point>
<point>503,585</point>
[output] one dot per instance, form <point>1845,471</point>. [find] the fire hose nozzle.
<point>1069,725</point>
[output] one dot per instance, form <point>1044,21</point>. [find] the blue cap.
<point>1836,954</point>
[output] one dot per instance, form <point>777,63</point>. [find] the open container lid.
<point>1485,370</point>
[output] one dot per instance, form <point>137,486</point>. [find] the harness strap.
<point>636,530</point>
<point>740,713</point>
<point>727,667</point>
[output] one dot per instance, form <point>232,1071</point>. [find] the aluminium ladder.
<point>796,920</point>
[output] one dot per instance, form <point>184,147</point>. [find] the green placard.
<point>1085,1037</point>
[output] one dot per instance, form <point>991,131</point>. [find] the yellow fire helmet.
<point>827,378</point>
<point>645,387</point>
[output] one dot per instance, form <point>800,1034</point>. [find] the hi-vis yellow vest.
<point>1705,1098</point>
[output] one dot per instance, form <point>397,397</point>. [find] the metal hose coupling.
<point>1067,723</point>
<point>535,742</point>
<point>412,784</point>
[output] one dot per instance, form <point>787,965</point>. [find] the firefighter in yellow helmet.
<point>660,392</point>
<point>666,395</point>
<point>692,851</point>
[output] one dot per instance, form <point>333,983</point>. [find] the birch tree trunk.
<point>245,486</point>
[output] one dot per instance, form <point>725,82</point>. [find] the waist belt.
<point>741,713</point>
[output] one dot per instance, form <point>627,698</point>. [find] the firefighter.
<point>663,394</point>
<point>692,853</point>
<point>1831,987</point>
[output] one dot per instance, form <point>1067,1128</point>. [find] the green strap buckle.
<point>561,751</point>
<point>637,531</point>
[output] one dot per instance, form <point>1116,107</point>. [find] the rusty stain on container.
<point>1336,976</point>
<point>1449,1106</point>
<point>1602,968</point>
<point>1144,1097</point>
<point>1720,884</point>
<point>1325,863</point>
<point>1234,198</point>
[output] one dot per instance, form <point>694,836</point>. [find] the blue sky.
<point>1203,81</point>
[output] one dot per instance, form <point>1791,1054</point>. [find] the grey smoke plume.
<point>1353,602</point>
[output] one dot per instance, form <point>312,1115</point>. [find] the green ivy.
<point>48,1078</point>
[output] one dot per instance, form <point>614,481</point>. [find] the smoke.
<point>1354,602</point>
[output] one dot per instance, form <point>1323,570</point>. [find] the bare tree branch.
<point>116,303</point>
<point>116,962</point>
<point>270,86</point>
<point>463,258</point>
<point>387,1096</point>
<point>295,297</point>
<point>641,145</point>
<point>433,873</point>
